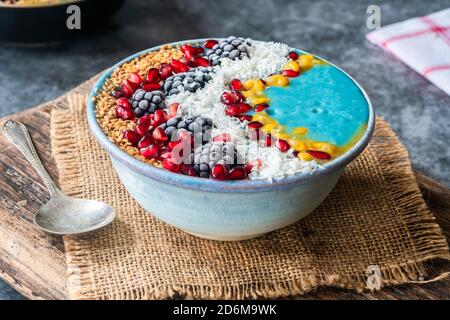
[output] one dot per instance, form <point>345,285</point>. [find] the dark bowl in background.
<point>41,24</point>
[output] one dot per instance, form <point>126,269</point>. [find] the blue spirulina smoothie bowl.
<point>225,210</point>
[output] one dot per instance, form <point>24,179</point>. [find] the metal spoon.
<point>61,215</point>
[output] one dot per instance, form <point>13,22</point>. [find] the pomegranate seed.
<point>290,73</point>
<point>125,114</point>
<point>293,55</point>
<point>232,97</point>
<point>268,140</point>
<point>188,170</point>
<point>173,109</point>
<point>225,137</point>
<point>124,103</point>
<point>145,120</point>
<point>141,129</point>
<point>159,135</point>
<point>151,86</point>
<point>159,117</point>
<point>261,107</point>
<point>151,152</point>
<point>127,88</point>
<point>219,172</point>
<point>244,107</point>
<point>178,66</point>
<point>283,145</point>
<point>237,173</point>
<point>117,93</point>
<point>197,61</point>
<point>165,71</point>
<point>168,164</point>
<point>173,144</point>
<point>236,85</point>
<point>188,51</point>
<point>145,141</point>
<point>152,75</point>
<point>135,79</point>
<point>198,50</point>
<point>209,44</point>
<point>255,125</point>
<point>232,110</point>
<point>319,154</point>
<point>245,117</point>
<point>132,136</point>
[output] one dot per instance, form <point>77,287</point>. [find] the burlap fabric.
<point>374,217</point>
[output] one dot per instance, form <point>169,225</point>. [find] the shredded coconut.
<point>266,58</point>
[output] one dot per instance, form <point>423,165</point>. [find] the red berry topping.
<point>170,165</point>
<point>152,75</point>
<point>219,172</point>
<point>145,141</point>
<point>293,55</point>
<point>290,73</point>
<point>283,145</point>
<point>151,152</point>
<point>132,136</point>
<point>141,129</point>
<point>232,97</point>
<point>151,86</point>
<point>236,85</point>
<point>165,71</point>
<point>188,170</point>
<point>124,103</point>
<point>127,88</point>
<point>125,114</point>
<point>117,93</point>
<point>225,137</point>
<point>178,66</point>
<point>244,107</point>
<point>173,144</point>
<point>159,135</point>
<point>237,173</point>
<point>255,125</point>
<point>250,165</point>
<point>232,110</point>
<point>210,43</point>
<point>319,154</point>
<point>188,50</point>
<point>261,107</point>
<point>198,62</point>
<point>145,120</point>
<point>135,79</point>
<point>245,117</point>
<point>159,117</point>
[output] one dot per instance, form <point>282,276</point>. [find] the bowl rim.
<point>211,185</point>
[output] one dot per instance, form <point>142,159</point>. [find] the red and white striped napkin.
<point>422,43</point>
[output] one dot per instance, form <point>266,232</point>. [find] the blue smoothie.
<point>325,101</point>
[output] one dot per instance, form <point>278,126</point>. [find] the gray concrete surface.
<point>418,111</point>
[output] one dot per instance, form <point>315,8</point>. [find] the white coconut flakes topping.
<point>266,58</point>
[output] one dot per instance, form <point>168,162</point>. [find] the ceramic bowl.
<point>222,210</point>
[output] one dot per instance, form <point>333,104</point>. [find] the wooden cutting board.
<point>34,264</point>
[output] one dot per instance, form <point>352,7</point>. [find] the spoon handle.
<point>18,134</point>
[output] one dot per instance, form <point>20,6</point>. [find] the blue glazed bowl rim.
<point>210,185</point>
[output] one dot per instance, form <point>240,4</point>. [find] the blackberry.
<point>188,81</point>
<point>212,153</point>
<point>146,102</point>
<point>197,125</point>
<point>232,48</point>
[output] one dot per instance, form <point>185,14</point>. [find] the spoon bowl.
<point>65,215</point>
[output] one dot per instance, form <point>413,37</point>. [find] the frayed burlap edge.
<point>426,235</point>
